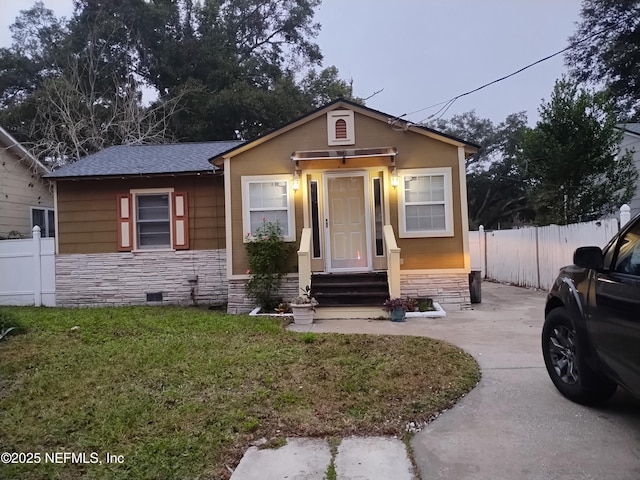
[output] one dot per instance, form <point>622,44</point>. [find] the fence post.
<point>537,257</point>
<point>483,250</point>
<point>625,215</point>
<point>37,267</point>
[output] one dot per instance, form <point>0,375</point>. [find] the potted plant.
<point>397,308</point>
<point>303,307</point>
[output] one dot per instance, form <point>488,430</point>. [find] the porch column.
<point>304,260</point>
<point>393,261</point>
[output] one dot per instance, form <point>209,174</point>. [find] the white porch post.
<point>304,260</point>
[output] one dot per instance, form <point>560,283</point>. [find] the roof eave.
<point>219,159</point>
<point>17,148</point>
<point>133,175</point>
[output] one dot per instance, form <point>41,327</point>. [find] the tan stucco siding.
<point>414,151</point>
<point>87,211</point>
<point>272,158</point>
<point>21,187</point>
<point>436,252</point>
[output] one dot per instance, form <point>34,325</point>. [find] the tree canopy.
<point>139,71</point>
<point>572,160</point>
<point>496,190</point>
<point>609,51</point>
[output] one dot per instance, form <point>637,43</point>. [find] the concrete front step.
<point>341,312</point>
<point>350,289</point>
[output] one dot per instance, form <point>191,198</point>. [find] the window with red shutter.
<point>152,219</point>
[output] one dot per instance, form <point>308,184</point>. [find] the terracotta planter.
<point>302,313</point>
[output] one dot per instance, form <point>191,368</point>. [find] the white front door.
<point>347,227</point>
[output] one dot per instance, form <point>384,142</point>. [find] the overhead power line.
<point>448,103</point>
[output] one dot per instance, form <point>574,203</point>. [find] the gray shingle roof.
<point>630,127</point>
<point>146,159</point>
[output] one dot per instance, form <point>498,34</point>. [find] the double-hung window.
<point>45,219</point>
<point>268,198</point>
<point>152,219</point>
<point>425,206</point>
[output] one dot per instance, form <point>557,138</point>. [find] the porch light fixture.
<point>295,181</point>
<point>394,178</point>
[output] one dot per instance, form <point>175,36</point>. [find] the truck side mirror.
<point>589,257</point>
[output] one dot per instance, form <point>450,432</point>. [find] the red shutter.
<point>125,223</point>
<point>180,221</point>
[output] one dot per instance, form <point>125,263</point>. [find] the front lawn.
<point>181,392</point>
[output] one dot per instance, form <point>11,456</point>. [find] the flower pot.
<point>302,314</point>
<point>397,315</point>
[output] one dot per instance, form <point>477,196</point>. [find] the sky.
<point>424,52</point>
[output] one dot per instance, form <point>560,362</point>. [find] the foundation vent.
<point>154,297</point>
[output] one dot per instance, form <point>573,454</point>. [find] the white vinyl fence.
<point>532,256</point>
<point>28,271</point>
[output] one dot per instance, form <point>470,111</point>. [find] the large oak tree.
<point>185,70</point>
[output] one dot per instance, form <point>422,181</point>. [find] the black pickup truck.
<point>591,334</point>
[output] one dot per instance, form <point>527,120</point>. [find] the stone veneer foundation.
<point>105,279</point>
<point>238,302</point>
<point>450,290</point>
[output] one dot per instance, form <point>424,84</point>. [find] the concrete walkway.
<point>513,425</point>
<point>356,458</point>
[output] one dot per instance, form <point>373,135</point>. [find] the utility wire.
<point>448,103</point>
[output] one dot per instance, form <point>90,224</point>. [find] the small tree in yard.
<point>572,158</point>
<point>268,254</point>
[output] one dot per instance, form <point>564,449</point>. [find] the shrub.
<point>268,254</point>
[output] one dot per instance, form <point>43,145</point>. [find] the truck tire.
<point>566,365</point>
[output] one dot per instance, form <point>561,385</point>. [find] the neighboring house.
<point>367,200</point>
<point>631,141</point>
<point>26,199</point>
<point>139,224</point>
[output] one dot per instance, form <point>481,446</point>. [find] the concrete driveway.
<point>514,425</point>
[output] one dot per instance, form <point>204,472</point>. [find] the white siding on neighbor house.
<point>631,141</point>
<point>107,279</point>
<point>19,282</point>
<point>21,187</point>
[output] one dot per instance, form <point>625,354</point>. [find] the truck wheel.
<point>566,364</point>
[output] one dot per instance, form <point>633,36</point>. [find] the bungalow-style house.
<point>26,200</point>
<point>374,206</point>
<point>631,141</point>
<point>141,224</point>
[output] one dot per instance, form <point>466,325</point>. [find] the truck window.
<point>628,252</point>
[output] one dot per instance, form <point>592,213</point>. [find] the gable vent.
<point>341,129</point>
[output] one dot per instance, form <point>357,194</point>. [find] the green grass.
<point>181,392</point>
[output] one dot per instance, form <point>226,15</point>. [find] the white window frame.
<point>46,228</point>
<point>134,234</point>
<point>246,207</point>
<point>448,202</point>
